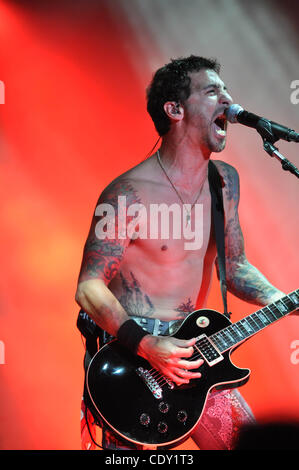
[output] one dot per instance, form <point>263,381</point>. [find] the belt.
<point>153,326</point>
<point>157,327</point>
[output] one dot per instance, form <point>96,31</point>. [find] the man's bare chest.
<point>160,221</point>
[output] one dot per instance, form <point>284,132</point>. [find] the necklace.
<point>188,217</point>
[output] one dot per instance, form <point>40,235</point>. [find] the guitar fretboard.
<point>252,324</point>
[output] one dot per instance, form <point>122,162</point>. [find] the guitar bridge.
<point>150,382</point>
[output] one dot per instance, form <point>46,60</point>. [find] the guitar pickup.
<point>208,350</point>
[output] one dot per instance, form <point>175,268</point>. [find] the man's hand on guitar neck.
<point>170,356</point>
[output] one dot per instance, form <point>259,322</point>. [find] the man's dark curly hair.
<point>172,83</point>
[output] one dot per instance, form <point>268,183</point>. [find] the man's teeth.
<point>221,131</point>
<point>220,127</point>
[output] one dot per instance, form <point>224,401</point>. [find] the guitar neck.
<point>243,329</point>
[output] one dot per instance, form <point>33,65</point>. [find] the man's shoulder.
<point>225,169</point>
<point>131,181</point>
<point>230,179</point>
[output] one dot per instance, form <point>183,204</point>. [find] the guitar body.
<point>119,386</point>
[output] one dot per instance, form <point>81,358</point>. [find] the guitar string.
<point>200,352</point>
<point>161,379</point>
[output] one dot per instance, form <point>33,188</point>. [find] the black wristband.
<point>130,334</point>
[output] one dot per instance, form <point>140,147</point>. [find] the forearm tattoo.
<point>243,279</point>
<point>250,285</point>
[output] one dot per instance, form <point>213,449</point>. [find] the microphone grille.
<point>232,112</point>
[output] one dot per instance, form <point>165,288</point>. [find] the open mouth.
<point>220,125</point>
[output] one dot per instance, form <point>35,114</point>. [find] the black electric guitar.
<point>143,406</point>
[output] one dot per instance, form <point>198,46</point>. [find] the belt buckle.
<point>156,328</point>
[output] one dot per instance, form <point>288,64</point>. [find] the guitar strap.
<point>218,218</point>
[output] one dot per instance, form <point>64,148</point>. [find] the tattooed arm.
<point>243,279</point>
<point>103,251</point>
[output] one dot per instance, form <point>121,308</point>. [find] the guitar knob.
<point>162,427</point>
<point>163,407</point>
<point>144,419</point>
<point>182,416</point>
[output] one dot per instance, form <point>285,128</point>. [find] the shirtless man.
<point>126,275</point>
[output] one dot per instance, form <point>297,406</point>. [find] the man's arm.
<point>102,256</point>
<point>243,279</point>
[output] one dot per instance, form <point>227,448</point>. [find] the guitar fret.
<point>258,321</point>
<point>218,342</point>
<point>289,302</point>
<point>283,300</point>
<point>228,340</point>
<point>281,307</point>
<point>253,324</point>
<point>243,329</point>
<point>257,326</point>
<point>236,335</point>
<point>246,326</point>
<point>294,298</point>
<point>270,316</point>
<point>223,339</point>
<point>264,319</point>
<point>230,333</point>
<point>276,312</point>
<point>238,331</point>
<point>220,339</point>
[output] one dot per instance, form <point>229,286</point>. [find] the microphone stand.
<point>285,163</point>
<point>265,130</point>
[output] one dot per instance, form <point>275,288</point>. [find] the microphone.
<point>235,113</point>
